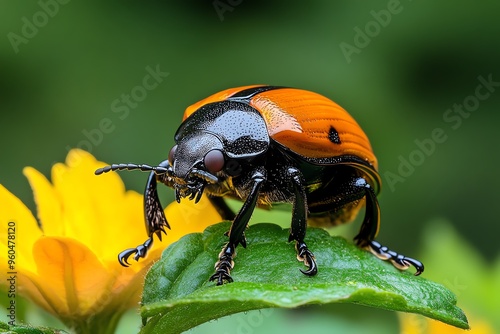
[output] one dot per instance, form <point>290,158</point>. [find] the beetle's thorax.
<point>213,144</point>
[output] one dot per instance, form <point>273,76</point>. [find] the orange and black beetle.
<point>267,144</point>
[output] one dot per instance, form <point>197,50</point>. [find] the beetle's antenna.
<point>144,168</point>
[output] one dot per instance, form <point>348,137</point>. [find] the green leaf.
<point>178,296</point>
<point>27,329</point>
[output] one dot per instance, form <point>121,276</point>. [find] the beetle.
<point>263,145</point>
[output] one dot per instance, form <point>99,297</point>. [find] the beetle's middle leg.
<point>226,213</point>
<point>225,263</point>
<point>299,223</point>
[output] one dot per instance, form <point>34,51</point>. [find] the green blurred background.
<point>398,78</point>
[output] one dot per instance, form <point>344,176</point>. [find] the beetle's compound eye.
<point>171,155</point>
<point>214,161</point>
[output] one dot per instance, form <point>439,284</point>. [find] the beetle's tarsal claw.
<point>306,256</point>
<point>419,266</point>
<point>123,256</point>
<point>399,261</point>
<point>223,266</point>
<point>140,252</point>
<point>221,276</point>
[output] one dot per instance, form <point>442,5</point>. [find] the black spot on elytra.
<point>333,135</point>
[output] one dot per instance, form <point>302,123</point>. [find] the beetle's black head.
<point>215,143</point>
<point>198,152</point>
<point>195,161</point>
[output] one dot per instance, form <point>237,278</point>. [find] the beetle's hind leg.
<point>399,261</point>
<point>369,229</point>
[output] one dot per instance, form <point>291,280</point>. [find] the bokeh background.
<point>397,74</point>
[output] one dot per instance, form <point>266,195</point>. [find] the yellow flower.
<point>417,324</point>
<point>67,263</point>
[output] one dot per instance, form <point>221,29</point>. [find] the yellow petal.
<point>477,327</point>
<point>73,270</point>
<point>28,286</point>
<point>20,227</point>
<point>184,218</point>
<point>97,210</point>
<point>94,211</point>
<point>130,231</point>
<point>48,203</point>
<point>129,281</point>
<point>188,217</point>
<point>417,324</point>
<point>70,276</point>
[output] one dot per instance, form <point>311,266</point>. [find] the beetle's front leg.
<point>154,218</point>
<point>225,263</point>
<point>299,223</point>
<point>140,252</point>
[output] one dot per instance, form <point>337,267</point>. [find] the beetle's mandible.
<point>263,145</point>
